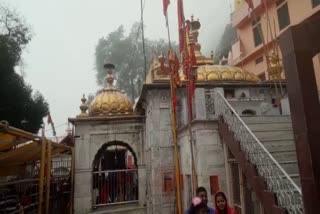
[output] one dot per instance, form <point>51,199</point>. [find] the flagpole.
<point>190,80</point>
<point>175,144</point>
<point>174,126</point>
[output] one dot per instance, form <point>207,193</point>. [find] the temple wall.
<point>159,149</point>
<point>91,137</point>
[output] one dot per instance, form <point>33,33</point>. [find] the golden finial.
<point>161,58</point>
<point>212,54</point>
<point>83,107</point>
<point>108,80</point>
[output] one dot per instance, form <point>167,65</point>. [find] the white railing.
<point>278,181</point>
<point>210,109</point>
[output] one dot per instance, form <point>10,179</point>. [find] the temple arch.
<point>115,175</point>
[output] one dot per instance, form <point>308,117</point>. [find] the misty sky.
<point>59,61</point>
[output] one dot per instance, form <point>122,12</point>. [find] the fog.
<point>59,61</point>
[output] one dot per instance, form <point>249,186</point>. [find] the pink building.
<point>257,29</point>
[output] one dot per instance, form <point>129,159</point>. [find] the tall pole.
<point>190,79</point>
<point>48,176</point>
<point>143,45</point>
<point>175,144</point>
<point>72,179</point>
<point>174,128</point>
<point>41,174</point>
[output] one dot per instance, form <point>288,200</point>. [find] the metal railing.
<point>21,193</point>
<point>112,187</point>
<point>278,181</point>
<point>210,109</point>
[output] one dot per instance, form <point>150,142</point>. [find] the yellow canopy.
<point>18,148</point>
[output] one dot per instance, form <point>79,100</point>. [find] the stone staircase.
<point>265,150</point>
<point>275,133</point>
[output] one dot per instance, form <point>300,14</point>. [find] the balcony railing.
<point>113,187</point>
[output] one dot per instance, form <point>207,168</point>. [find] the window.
<point>168,182</point>
<point>249,112</point>
<point>283,14</point>
<point>259,60</point>
<point>229,93</point>
<point>315,3</point>
<point>257,32</point>
<point>214,184</point>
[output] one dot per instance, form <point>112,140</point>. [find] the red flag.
<point>181,26</point>
<point>49,119</point>
<point>165,6</point>
<point>250,3</point>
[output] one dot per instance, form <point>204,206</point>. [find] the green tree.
<point>126,52</point>
<point>227,40</point>
<point>18,105</point>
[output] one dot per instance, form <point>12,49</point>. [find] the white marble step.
<point>269,126</point>
<point>266,119</point>
<point>274,135</point>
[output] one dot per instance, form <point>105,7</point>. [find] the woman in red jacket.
<point>222,206</point>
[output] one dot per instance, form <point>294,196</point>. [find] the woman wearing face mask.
<point>198,206</point>
<point>222,206</point>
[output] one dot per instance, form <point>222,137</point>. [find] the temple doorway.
<point>115,175</point>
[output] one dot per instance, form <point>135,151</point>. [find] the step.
<point>290,167</point>
<point>121,209</point>
<point>269,126</point>
<point>295,178</point>
<point>279,145</point>
<point>274,135</point>
<point>284,156</point>
<point>266,119</point>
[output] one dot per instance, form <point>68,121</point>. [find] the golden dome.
<point>223,73</point>
<point>110,101</point>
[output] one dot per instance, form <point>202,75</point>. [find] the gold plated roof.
<point>110,101</point>
<point>205,69</point>
<point>222,73</point>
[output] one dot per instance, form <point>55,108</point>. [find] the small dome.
<point>110,102</point>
